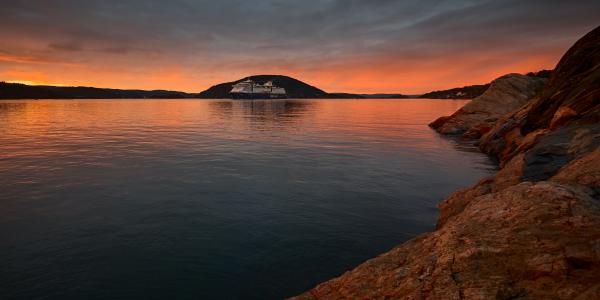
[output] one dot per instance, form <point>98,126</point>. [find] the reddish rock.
<point>439,122</point>
<point>477,131</point>
<point>575,83</point>
<point>572,95</point>
<point>505,136</point>
<point>531,139</point>
<point>530,241</point>
<point>583,171</point>
<point>561,116</point>
<point>504,95</point>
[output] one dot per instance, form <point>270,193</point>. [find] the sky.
<point>376,46</point>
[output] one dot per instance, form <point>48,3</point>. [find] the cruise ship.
<point>249,89</point>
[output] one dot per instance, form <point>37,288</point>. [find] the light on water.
<point>214,198</point>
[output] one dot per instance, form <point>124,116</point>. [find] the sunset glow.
<point>357,47</point>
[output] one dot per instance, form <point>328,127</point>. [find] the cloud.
<point>214,40</point>
<point>67,46</point>
<point>8,57</point>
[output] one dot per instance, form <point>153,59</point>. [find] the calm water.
<point>190,199</point>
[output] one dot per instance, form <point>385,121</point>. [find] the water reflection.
<point>221,108</point>
<point>11,107</point>
<point>262,110</point>
<point>263,115</point>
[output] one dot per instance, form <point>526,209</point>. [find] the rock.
<point>574,84</point>
<point>477,131</point>
<point>504,95</point>
<point>439,122</point>
<point>556,149</point>
<point>561,116</point>
<point>512,243</point>
<point>572,95</point>
<point>531,139</point>
<point>583,171</point>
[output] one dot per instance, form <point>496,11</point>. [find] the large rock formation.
<point>532,231</point>
<point>505,245</point>
<point>570,99</point>
<point>504,95</point>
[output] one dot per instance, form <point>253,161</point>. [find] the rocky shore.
<point>532,231</point>
<point>505,95</point>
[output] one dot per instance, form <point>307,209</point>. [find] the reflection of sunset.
<point>395,123</point>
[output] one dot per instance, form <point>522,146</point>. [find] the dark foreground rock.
<point>501,246</point>
<point>532,231</point>
<point>570,98</point>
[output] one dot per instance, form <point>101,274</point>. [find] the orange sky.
<point>358,48</point>
<point>376,75</point>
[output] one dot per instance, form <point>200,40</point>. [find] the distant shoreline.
<point>296,89</point>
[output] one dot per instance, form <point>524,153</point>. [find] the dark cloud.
<point>67,46</point>
<point>321,26</point>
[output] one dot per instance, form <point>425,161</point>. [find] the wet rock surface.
<point>532,231</point>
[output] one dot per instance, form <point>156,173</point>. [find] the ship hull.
<point>256,96</point>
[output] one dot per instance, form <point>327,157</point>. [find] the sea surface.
<point>201,199</point>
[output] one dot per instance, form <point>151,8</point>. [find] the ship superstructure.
<point>249,89</point>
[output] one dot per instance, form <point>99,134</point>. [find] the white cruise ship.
<point>249,89</point>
